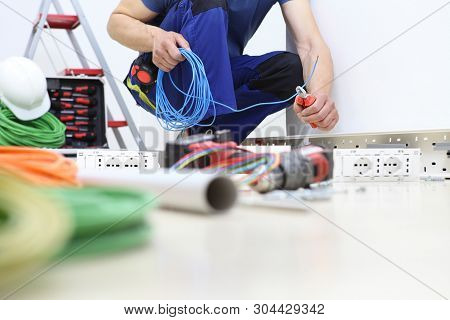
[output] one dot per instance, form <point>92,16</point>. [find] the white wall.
<point>404,86</point>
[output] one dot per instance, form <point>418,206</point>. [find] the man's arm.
<point>127,25</point>
<point>310,45</point>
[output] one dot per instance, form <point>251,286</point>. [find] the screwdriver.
<point>90,90</point>
<point>67,105</point>
<point>305,100</point>
<point>79,123</point>
<point>65,94</point>
<point>76,112</point>
<point>73,118</point>
<point>85,136</point>
<point>81,100</point>
<point>79,128</point>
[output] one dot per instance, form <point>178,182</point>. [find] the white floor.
<point>391,241</point>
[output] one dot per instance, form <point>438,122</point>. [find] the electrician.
<point>218,31</point>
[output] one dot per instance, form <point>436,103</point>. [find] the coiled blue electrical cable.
<point>198,98</point>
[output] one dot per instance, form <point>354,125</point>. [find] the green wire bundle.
<point>106,219</point>
<point>45,132</point>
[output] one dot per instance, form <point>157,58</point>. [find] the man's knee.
<point>279,75</point>
<point>290,67</point>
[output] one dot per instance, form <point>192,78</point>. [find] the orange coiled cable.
<point>41,167</point>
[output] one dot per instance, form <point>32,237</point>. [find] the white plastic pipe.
<point>187,191</point>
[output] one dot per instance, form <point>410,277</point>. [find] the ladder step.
<point>117,124</point>
<point>62,21</point>
<point>83,71</point>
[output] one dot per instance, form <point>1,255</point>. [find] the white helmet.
<point>23,88</point>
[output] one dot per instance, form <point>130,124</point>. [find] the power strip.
<point>376,165</point>
<point>99,159</point>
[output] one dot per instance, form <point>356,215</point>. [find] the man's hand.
<point>166,54</point>
<point>323,113</point>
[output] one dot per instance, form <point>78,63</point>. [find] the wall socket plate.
<point>104,160</point>
<point>434,144</point>
<point>377,165</point>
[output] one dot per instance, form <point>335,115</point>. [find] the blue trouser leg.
<point>268,78</point>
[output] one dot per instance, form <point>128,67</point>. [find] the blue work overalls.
<point>237,81</point>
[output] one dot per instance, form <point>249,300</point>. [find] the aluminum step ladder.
<point>69,23</point>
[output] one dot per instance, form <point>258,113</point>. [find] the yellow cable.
<point>32,229</point>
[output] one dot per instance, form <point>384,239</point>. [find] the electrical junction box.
<point>110,160</point>
<point>376,165</point>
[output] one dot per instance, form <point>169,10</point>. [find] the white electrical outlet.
<point>99,159</point>
<point>110,162</point>
<point>362,166</point>
<point>392,166</point>
<point>377,164</point>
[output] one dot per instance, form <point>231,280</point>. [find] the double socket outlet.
<point>377,164</point>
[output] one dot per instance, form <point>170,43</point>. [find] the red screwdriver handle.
<point>84,136</point>
<point>306,102</point>
<point>85,89</point>
<point>86,101</point>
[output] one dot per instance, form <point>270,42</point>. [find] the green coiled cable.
<point>109,242</point>
<point>45,132</point>
<point>107,219</point>
<point>38,224</point>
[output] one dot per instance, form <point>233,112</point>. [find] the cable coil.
<point>41,167</point>
<point>106,219</point>
<point>33,229</point>
<point>198,98</point>
<point>45,132</point>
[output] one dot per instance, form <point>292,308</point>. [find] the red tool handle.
<point>306,102</point>
<point>78,123</point>
<point>62,105</point>
<point>56,94</point>
<point>86,89</point>
<point>64,118</point>
<point>81,89</point>
<point>86,101</point>
<point>67,94</point>
<point>67,105</point>
<point>79,112</point>
<point>63,94</point>
<point>78,128</point>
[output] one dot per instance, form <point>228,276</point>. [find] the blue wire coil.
<point>198,98</point>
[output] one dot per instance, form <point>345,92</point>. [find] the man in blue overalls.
<point>218,31</point>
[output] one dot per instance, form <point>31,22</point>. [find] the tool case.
<point>79,102</point>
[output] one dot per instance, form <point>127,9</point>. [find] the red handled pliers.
<point>305,100</point>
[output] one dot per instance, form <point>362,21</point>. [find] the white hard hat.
<point>23,88</point>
